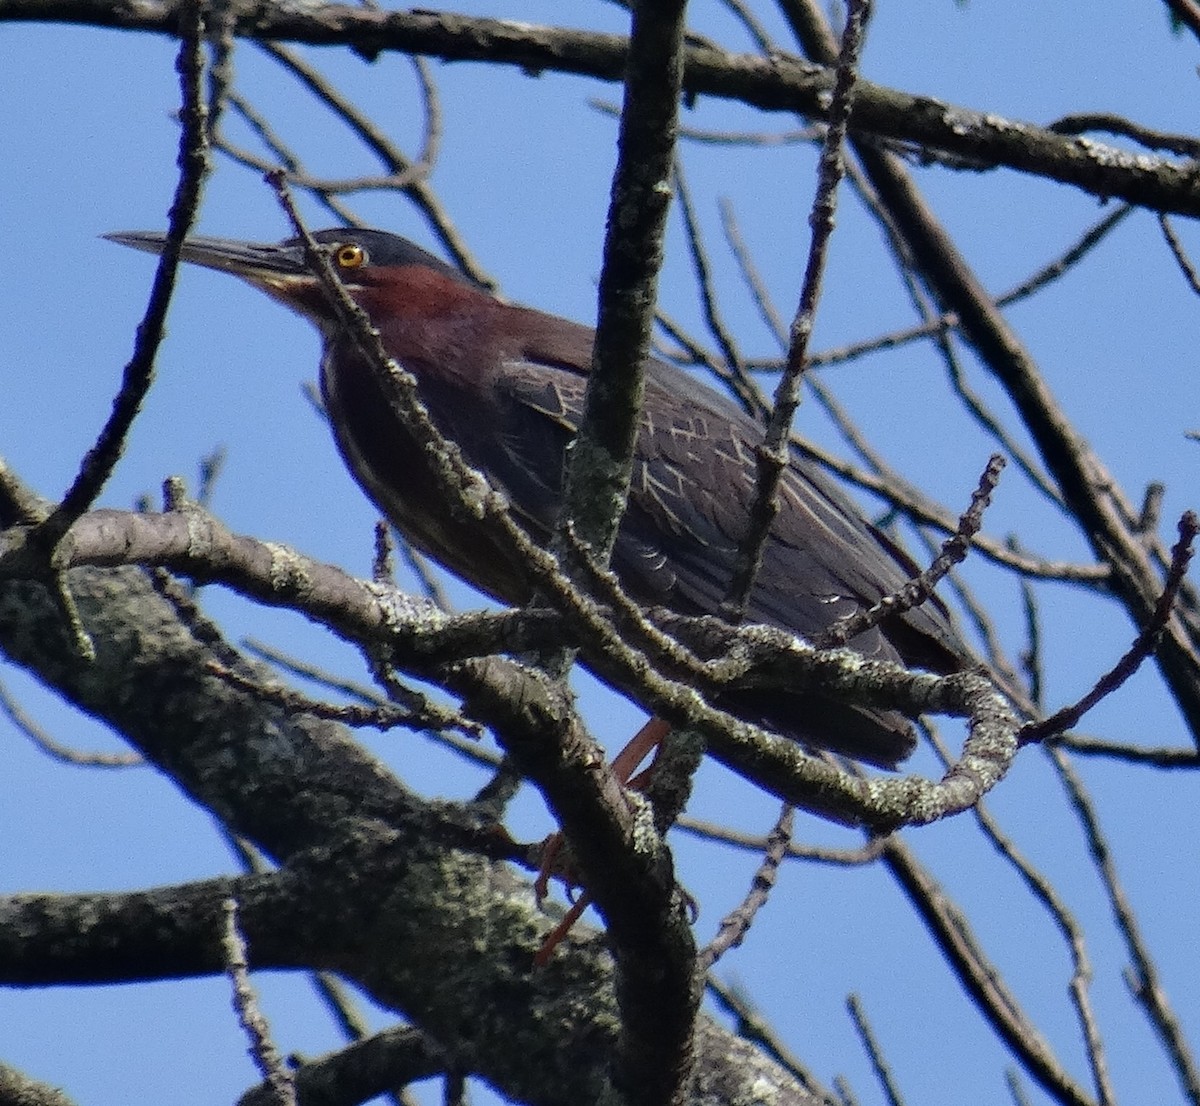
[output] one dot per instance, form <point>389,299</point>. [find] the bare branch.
<point>918,591</point>
<point>1148,986</point>
<point>736,925</point>
<point>601,463</point>
<point>1068,717</point>
<point>952,932</point>
<point>102,458</point>
<point>56,749</point>
<point>250,1016</point>
<point>774,454</point>
<point>778,83</point>
<point>883,1073</point>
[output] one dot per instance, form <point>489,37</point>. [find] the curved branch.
<point>424,641</point>
<point>292,783</point>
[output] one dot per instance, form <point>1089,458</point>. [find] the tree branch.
<point>778,83</point>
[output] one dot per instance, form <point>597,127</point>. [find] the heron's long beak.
<point>278,267</point>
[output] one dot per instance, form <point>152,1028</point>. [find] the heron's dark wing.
<point>822,559</point>
<point>692,487</point>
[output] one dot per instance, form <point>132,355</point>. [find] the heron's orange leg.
<point>649,737</point>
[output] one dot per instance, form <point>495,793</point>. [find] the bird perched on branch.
<point>506,383</point>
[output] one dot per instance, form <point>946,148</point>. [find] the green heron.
<point>506,383</point>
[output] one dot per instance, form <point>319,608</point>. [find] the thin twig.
<point>704,275</point>
<point>416,713</point>
<point>281,152</point>
<point>982,980</point>
<point>920,589</point>
<point>885,482</point>
<point>744,389</point>
<point>976,614</point>
<point>1180,254</point>
<point>416,189</point>
<point>262,1048</point>
<point>1068,717</point>
<point>1012,1080</point>
<point>138,375</point>
<point>1043,890</point>
<point>757,843</point>
<point>754,27</point>
<point>101,459</point>
<point>948,320</point>
<point>1151,757</point>
<point>775,452</point>
<point>56,749</point>
<point>879,1063</point>
<point>337,999</point>
<point>1032,657</point>
<point>734,926</point>
<point>1111,123</point>
<point>1148,989</point>
<point>1187,12</point>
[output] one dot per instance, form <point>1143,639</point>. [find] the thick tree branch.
<point>597,481</point>
<point>778,83</point>
<point>294,783</point>
<point>423,640</point>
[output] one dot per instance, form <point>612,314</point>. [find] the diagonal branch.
<point>102,458</point>
<point>777,83</point>
<point>1106,517</point>
<point>775,452</point>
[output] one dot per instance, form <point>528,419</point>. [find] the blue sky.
<point>87,145</point>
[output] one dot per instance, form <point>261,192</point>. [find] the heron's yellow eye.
<point>350,256</point>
